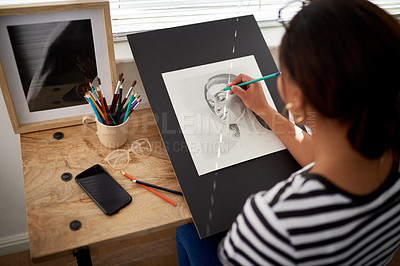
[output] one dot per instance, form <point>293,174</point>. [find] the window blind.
<point>131,16</point>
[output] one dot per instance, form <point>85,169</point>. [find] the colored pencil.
<point>94,110</point>
<point>94,91</point>
<point>102,93</point>
<point>103,106</point>
<point>136,95</point>
<point>119,107</point>
<point>95,100</point>
<point>115,96</point>
<point>105,103</point>
<point>129,92</point>
<point>134,101</point>
<point>158,187</point>
<point>97,107</point>
<point>134,107</point>
<point>129,106</point>
<point>150,189</point>
<point>253,81</point>
<point>112,119</point>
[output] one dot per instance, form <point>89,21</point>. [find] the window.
<point>130,16</point>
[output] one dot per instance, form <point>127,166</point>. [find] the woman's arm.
<point>298,142</point>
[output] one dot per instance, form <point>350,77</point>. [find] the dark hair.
<point>345,55</point>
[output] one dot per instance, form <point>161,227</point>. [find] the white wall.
<point>13,224</point>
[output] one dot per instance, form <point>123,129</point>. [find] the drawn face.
<point>227,107</point>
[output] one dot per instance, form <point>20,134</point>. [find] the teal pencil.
<point>129,106</point>
<point>253,81</point>
<point>94,92</point>
<point>112,119</point>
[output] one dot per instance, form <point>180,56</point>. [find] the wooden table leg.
<point>82,255</point>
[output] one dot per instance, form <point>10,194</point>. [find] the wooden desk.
<point>51,204</point>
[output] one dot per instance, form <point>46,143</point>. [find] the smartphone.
<point>103,189</point>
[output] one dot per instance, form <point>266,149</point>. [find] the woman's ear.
<point>291,93</point>
<point>297,97</point>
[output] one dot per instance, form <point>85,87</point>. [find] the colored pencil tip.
<point>133,83</point>
<point>277,74</point>
<point>99,80</point>
<point>120,76</point>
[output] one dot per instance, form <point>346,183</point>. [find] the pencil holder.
<point>110,136</point>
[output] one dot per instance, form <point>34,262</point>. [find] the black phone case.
<point>104,190</point>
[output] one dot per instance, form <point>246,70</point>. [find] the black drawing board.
<point>215,198</point>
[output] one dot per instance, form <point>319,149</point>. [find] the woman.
<point>344,208</point>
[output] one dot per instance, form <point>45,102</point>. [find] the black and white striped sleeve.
<point>256,237</point>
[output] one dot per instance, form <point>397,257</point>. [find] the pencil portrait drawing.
<point>219,130</point>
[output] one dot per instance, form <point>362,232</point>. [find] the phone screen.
<point>103,189</point>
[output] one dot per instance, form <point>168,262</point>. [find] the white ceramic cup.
<point>110,136</point>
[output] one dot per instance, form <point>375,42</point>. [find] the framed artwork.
<point>49,53</point>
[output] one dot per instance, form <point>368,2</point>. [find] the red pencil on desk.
<point>150,189</point>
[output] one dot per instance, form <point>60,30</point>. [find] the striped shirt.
<point>306,220</point>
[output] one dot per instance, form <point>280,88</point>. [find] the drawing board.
<point>173,65</point>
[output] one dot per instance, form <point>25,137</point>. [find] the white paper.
<point>218,128</point>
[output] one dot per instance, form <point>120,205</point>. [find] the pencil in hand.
<point>253,81</point>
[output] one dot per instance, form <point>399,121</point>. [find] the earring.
<point>286,109</point>
<point>288,106</point>
<point>299,119</point>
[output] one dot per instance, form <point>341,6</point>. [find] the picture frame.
<point>49,53</point>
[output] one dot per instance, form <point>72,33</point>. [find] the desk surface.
<point>51,203</point>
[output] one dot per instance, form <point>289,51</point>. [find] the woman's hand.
<point>298,142</point>
<point>252,95</point>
